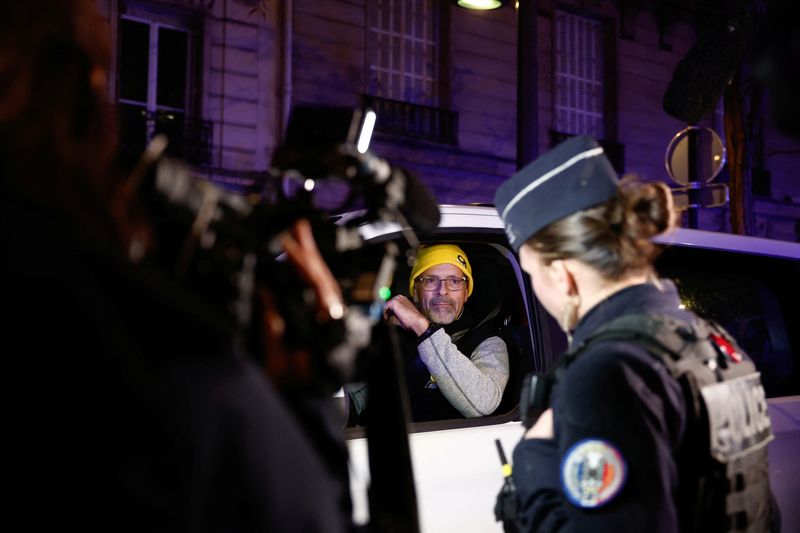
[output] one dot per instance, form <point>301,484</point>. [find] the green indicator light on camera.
<point>385,293</point>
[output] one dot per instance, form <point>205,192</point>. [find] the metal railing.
<point>415,121</point>
<point>189,138</point>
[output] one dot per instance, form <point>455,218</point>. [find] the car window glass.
<point>754,297</point>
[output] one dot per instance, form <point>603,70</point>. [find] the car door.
<point>457,469</point>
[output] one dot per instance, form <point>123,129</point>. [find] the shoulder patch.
<point>592,473</point>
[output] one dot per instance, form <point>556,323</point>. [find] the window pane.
<point>404,39</point>
<point>386,15</point>
<point>133,60</point>
<point>578,76</point>
<point>173,48</point>
<point>753,297</point>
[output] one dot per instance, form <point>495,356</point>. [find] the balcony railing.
<point>189,138</point>
<point>415,121</point>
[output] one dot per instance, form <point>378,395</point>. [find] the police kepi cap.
<point>440,254</point>
<point>573,176</point>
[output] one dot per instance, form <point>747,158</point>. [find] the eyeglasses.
<point>432,283</point>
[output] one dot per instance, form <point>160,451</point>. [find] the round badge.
<point>592,473</point>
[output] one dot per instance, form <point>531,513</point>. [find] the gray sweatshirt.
<point>472,384</point>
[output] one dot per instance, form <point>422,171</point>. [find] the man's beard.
<point>441,315</point>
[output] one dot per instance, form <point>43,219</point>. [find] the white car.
<point>749,285</point>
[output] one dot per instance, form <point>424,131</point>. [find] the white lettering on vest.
<point>738,417</point>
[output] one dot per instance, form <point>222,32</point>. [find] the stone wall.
<point>246,81</point>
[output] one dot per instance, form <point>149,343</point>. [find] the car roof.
<point>486,217</point>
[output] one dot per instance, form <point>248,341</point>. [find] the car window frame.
<point>538,359</point>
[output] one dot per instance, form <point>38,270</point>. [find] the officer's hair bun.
<point>645,209</point>
<point>613,237</point>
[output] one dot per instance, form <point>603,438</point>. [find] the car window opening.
<point>496,302</point>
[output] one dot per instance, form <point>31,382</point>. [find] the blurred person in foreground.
<point>128,408</point>
<point>657,421</point>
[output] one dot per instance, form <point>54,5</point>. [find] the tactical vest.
<point>722,462</point>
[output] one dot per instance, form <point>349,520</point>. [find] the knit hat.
<point>440,254</point>
<point>573,176</point>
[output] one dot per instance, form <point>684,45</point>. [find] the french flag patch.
<point>592,473</point>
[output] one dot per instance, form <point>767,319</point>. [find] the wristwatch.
<point>428,332</point>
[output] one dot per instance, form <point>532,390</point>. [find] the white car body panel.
<point>450,496</point>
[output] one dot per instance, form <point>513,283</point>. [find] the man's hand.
<point>543,428</point>
<point>402,311</point>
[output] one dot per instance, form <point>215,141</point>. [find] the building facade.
<point>220,77</point>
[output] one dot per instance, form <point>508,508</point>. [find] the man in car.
<point>456,366</point>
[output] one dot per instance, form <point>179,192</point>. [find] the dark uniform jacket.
<point>619,417</point>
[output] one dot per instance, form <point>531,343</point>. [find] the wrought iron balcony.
<point>189,138</point>
<point>415,121</point>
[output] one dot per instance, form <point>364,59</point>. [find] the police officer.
<point>622,446</point>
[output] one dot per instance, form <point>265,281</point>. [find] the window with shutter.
<point>402,50</point>
<point>579,63</point>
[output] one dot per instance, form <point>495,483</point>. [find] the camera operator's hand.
<point>402,312</point>
<point>292,366</point>
<point>301,248</point>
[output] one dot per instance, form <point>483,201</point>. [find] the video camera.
<point>274,265</point>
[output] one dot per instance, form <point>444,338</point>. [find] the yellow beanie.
<point>440,254</point>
